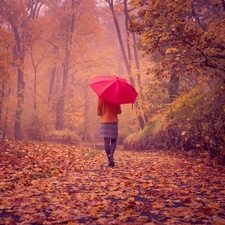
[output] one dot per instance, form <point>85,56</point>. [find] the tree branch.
<point>196,17</point>
<point>203,54</point>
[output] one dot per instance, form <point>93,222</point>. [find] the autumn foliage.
<point>185,39</point>
<point>172,173</point>
<point>63,184</point>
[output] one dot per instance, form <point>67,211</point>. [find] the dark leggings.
<point>110,148</point>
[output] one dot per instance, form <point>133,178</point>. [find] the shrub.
<point>37,127</point>
<point>137,141</point>
<point>194,121</point>
<point>122,135</point>
<point>131,141</point>
<point>64,137</point>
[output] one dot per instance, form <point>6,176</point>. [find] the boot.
<point>108,156</point>
<point>111,161</point>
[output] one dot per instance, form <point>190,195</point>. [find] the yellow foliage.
<point>172,50</point>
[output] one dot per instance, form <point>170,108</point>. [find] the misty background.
<point>173,56</point>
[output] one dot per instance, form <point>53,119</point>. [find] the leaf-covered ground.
<point>58,184</point>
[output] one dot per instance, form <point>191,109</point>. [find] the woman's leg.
<point>113,146</point>
<point>112,150</point>
<point>107,146</point>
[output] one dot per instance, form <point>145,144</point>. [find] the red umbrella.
<point>114,89</point>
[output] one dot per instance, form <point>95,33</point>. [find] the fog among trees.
<point>172,53</point>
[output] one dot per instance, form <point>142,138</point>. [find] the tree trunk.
<point>125,58</point>
<point>50,92</point>
<point>138,109</point>
<point>35,87</point>
<point>1,101</point>
<point>18,53</point>
<point>66,66</point>
<point>111,5</point>
<point>19,108</point>
<point>138,74</point>
<point>35,65</point>
<point>5,126</point>
<point>86,109</point>
<point>62,98</point>
<point>173,86</point>
<point>20,30</point>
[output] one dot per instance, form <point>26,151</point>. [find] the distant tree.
<point>126,53</point>
<point>6,45</point>
<point>72,48</point>
<point>18,15</point>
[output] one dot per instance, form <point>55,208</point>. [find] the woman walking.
<point>109,126</point>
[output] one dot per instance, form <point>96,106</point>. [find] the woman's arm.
<point>99,108</point>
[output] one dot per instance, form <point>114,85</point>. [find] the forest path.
<point>58,184</point>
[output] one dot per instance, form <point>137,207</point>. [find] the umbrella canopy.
<point>114,89</point>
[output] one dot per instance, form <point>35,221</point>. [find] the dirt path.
<point>69,185</point>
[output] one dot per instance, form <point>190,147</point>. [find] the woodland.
<point>171,146</point>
